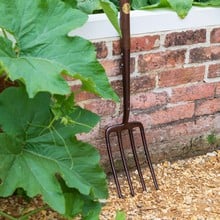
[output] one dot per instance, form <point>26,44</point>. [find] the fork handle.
<point>125,53</point>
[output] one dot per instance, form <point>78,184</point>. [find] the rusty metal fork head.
<point>117,130</point>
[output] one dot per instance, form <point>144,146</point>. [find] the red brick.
<point>172,114</point>
<point>215,35</point>
<point>207,107</point>
<point>214,71</point>
<point>144,43</point>
<point>203,54</point>
<point>112,67</point>
<point>101,50</point>
<point>83,95</point>
<point>192,92</point>
<point>216,125</point>
<point>185,38</point>
<point>91,136</point>
<point>143,83</point>
<point>170,132</point>
<point>80,95</point>
<point>179,131</point>
<point>117,86</point>
<point>175,77</point>
<point>148,100</point>
<point>116,49</point>
<point>138,84</point>
<point>154,61</point>
<point>101,107</point>
<point>217,90</point>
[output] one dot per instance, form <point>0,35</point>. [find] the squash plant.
<point>111,7</point>
<point>39,119</point>
<point>181,7</point>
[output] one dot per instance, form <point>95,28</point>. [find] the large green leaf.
<point>80,62</point>
<point>38,74</point>
<point>43,49</point>
<point>34,153</point>
<point>181,7</point>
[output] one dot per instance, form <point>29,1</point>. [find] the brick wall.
<point>175,91</point>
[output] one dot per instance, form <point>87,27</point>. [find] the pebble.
<point>212,154</point>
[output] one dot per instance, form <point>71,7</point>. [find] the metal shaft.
<point>125,52</point>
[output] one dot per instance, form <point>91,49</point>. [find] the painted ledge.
<point>98,26</point>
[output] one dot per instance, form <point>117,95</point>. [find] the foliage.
<point>181,7</point>
<point>212,139</point>
<point>112,13</point>
<point>207,2</point>
<point>111,7</point>
<point>120,215</point>
<point>43,48</point>
<point>39,119</point>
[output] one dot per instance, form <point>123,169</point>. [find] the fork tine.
<point>124,161</point>
<point>147,154</point>
<point>136,159</point>
<point>109,150</point>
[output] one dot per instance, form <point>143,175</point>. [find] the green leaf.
<point>207,3</point>
<point>88,6</point>
<point>34,152</point>
<point>72,3</point>
<point>120,215</point>
<point>79,62</point>
<point>77,203</point>
<point>34,26</point>
<point>144,4</point>
<point>17,116</point>
<point>43,50</point>
<point>112,13</point>
<point>181,7</point>
<point>91,210</point>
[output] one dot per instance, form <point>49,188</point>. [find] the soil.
<point>188,189</point>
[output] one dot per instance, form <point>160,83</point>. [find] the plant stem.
<point>4,33</point>
<point>25,216</point>
<point>7,216</point>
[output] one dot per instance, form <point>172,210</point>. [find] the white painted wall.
<point>98,25</point>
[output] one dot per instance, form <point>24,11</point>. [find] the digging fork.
<point>126,125</point>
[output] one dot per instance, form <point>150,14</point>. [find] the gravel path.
<point>189,189</point>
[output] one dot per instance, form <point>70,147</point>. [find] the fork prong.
<point>109,150</point>
<point>147,154</point>
<point>137,163</point>
<point>124,161</point>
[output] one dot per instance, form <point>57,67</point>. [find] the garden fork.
<point>126,125</point>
